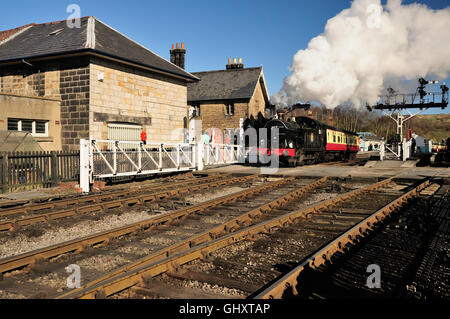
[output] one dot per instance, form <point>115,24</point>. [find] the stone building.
<point>107,85</point>
<point>222,98</point>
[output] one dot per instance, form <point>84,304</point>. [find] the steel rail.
<point>98,198</point>
<point>13,224</point>
<point>78,245</point>
<point>147,271</point>
<point>289,281</point>
<point>211,234</point>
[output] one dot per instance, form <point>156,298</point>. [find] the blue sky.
<point>262,32</point>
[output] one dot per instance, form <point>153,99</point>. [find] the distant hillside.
<point>436,127</point>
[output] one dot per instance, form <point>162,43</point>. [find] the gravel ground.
<point>22,244</point>
<point>7,295</point>
<point>201,198</point>
<point>213,288</point>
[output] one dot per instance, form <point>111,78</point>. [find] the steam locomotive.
<point>307,141</point>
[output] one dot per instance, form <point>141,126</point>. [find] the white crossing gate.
<point>221,154</point>
<point>100,159</point>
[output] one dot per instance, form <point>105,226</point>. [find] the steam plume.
<point>366,47</point>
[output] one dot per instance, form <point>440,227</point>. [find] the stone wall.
<point>74,90</point>
<point>257,103</point>
<point>156,102</point>
<point>125,94</point>
<point>64,79</point>
<point>36,108</point>
<point>213,116</point>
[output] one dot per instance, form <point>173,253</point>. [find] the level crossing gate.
<point>101,159</point>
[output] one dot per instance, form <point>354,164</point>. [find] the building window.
<point>37,128</point>
<point>27,126</point>
<point>229,109</point>
<point>13,125</point>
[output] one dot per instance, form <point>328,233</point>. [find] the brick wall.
<point>156,102</point>
<point>65,79</point>
<point>125,95</point>
<point>24,81</point>
<point>213,116</point>
<point>257,103</point>
<point>74,90</point>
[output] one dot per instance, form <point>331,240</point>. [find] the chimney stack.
<point>235,65</point>
<point>177,56</point>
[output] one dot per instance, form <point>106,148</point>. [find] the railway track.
<point>189,222</point>
<point>410,248</point>
<point>158,220</point>
<point>47,212</point>
<point>395,243</point>
<point>156,182</point>
<point>225,255</point>
<point>89,199</point>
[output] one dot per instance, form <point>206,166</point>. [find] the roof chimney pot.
<point>177,56</point>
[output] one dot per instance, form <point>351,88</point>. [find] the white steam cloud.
<point>365,48</point>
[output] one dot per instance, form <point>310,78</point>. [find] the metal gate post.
<point>178,156</point>
<point>115,156</point>
<point>200,156</point>
<point>160,157</point>
<point>85,169</point>
<point>140,156</point>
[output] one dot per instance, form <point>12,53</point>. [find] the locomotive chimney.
<point>177,55</point>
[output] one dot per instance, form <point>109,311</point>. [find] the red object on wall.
<point>144,136</point>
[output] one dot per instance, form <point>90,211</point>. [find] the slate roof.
<point>224,85</point>
<point>94,36</point>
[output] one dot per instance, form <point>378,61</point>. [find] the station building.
<point>62,84</point>
<point>223,98</point>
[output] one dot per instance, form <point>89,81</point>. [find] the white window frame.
<point>33,125</point>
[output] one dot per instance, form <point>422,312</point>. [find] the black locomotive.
<point>307,141</point>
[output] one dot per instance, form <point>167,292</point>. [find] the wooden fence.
<point>29,170</point>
